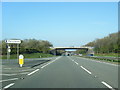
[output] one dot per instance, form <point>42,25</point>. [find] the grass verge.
<point>33,55</point>
<point>104,60</point>
<point>107,54</point>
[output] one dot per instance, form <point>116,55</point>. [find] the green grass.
<point>107,55</point>
<point>33,55</point>
<point>104,60</point>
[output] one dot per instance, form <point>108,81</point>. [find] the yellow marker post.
<point>21,60</point>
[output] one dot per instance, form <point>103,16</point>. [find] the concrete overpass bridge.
<point>63,48</point>
<point>88,49</point>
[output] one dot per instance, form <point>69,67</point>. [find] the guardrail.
<point>112,59</point>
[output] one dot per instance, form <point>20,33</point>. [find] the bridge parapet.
<point>89,49</point>
<point>71,47</point>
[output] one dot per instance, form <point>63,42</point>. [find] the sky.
<point>61,23</point>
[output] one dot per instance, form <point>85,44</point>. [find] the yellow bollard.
<point>21,60</point>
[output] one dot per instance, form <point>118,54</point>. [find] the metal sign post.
<point>8,52</point>
<point>8,47</point>
<point>18,51</point>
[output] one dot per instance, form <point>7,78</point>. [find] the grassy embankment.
<point>33,55</point>
<point>105,59</point>
<point>107,55</point>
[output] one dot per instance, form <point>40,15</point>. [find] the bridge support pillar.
<point>90,52</point>
<point>54,52</point>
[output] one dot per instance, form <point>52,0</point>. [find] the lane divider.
<point>81,66</point>
<point>104,83</point>
<point>14,74</point>
<point>107,85</point>
<point>8,85</point>
<point>8,80</point>
<point>33,71</point>
<point>86,70</point>
<point>50,62</point>
<point>71,59</point>
<point>76,63</point>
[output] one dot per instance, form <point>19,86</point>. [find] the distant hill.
<point>108,44</point>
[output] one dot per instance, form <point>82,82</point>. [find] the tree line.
<point>108,44</point>
<point>27,46</point>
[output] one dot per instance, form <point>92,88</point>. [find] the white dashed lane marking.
<point>86,70</point>
<point>104,83</point>
<point>76,63</point>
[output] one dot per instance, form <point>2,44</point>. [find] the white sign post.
<point>12,42</point>
<point>8,52</point>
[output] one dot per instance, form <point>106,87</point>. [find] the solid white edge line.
<point>33,72</point>
<point>50,62</point>
<point>9,80</point>
<point>8,85</point>
<point>107,85</point>
<point>86,70</point>
<point>14,74</point>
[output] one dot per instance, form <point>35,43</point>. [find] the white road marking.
<point>107,85</point>
<point>33,72</point>
<point>45,65</point>
<point>71,59</point>
<point>7,68</point>
<point>13,74</point>
<point>8,74</point>
<point>8,80</point>
<point>76,63</point>
<point>50,62</point>
<point>86,70</point>
<point>8,85</point>
<point>27,70</point>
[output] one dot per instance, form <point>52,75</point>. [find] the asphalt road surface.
<point>70,72</point>
<point>10,70</point>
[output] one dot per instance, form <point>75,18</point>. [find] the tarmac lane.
<point>11,71</point>
<point>60,73</point>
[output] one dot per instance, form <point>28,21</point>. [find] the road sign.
<point>21,60</point>
<point>9,47</point>
<point>13,41</point>
<point>9,50</point>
